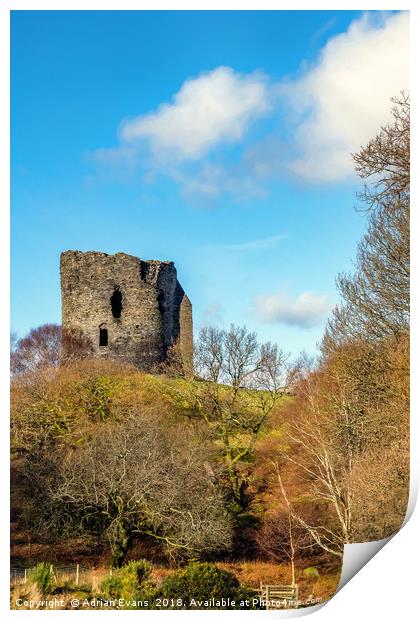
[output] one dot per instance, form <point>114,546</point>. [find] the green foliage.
<point>246,593</point>
<point>41,576</point>
<point>131,582</point>
<point>111,586</point>
<point>248,521</point>
<point>133,576</point>
<point>96,396</point>
<point>201,580</point>
<point>311,573</point>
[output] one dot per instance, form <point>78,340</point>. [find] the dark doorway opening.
<point>116,303</point>
<point>103,337</point>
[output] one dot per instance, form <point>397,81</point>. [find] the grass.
<point>253,573</point>
<point>250,573</point>
<point>98,394</point>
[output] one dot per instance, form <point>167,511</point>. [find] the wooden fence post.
<point>77,574</point>
<point>26,575</point>
<point>54,576</point>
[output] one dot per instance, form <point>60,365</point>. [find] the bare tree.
<point>365,350</point>
<point>281,536</point>
<point>39,349</point>
<point>47,346</point>
<point>140,478</point>
<point>386,160</point>
<point>243,380</point>
<point>349,414</point>
<point>323,439</point>
<point>75,345</point>
<point>376,297</point>
<point>291,541</point>
<point>276,538</point>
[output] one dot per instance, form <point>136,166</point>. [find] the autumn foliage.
<point>255,457</point>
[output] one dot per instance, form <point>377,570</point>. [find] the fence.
<point>74,572</point>
<point>275,596</point>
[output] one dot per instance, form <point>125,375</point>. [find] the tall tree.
<point>376,297</point>
<point>352,410</point>
<point>243,380</point>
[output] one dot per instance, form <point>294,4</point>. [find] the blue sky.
<point>218,140</point>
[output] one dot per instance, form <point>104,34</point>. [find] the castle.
<point>130,309</point>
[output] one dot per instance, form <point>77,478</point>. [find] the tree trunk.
<point>120,542</point>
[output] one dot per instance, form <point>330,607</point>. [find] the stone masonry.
<point>130,309</point>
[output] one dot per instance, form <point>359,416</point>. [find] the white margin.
<point>397,564</point>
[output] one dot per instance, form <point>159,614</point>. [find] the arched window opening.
<point>116,303</point>
<point>103,337</point>
<point>143,270</point>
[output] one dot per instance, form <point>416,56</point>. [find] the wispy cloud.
<point>201,140</point>
<point>212,314</point>
<point>321,32</point>
<point>264,243</point>
<point>306,311</point>
<point>183,140</point>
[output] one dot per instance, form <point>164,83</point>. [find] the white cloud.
<point>242,178</point>
<point>306,311</point>
<point>334,107</point>
<point>206,183</point>
<point>345,98</point>
<point>215,107</point>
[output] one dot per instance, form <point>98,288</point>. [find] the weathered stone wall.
<point>149,312</point>
<point>183,327</point>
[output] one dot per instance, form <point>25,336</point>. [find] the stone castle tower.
<point>130,309</point>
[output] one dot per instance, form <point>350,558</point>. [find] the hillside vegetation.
<point>255,461</point>
<point>120,454</point>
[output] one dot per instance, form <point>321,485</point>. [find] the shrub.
<point>111,587</point>
<point>96,397</point>
<point>311,573</point>
<point>41,576</point>
<point>131,582</point>
<point>133,576</point>
<point>201,581</point>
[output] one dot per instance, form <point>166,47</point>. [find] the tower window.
<point>116,303</point>
<point>103,337</point>
<point>143,270</point>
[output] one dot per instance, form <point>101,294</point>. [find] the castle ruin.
<point>130,309</point>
